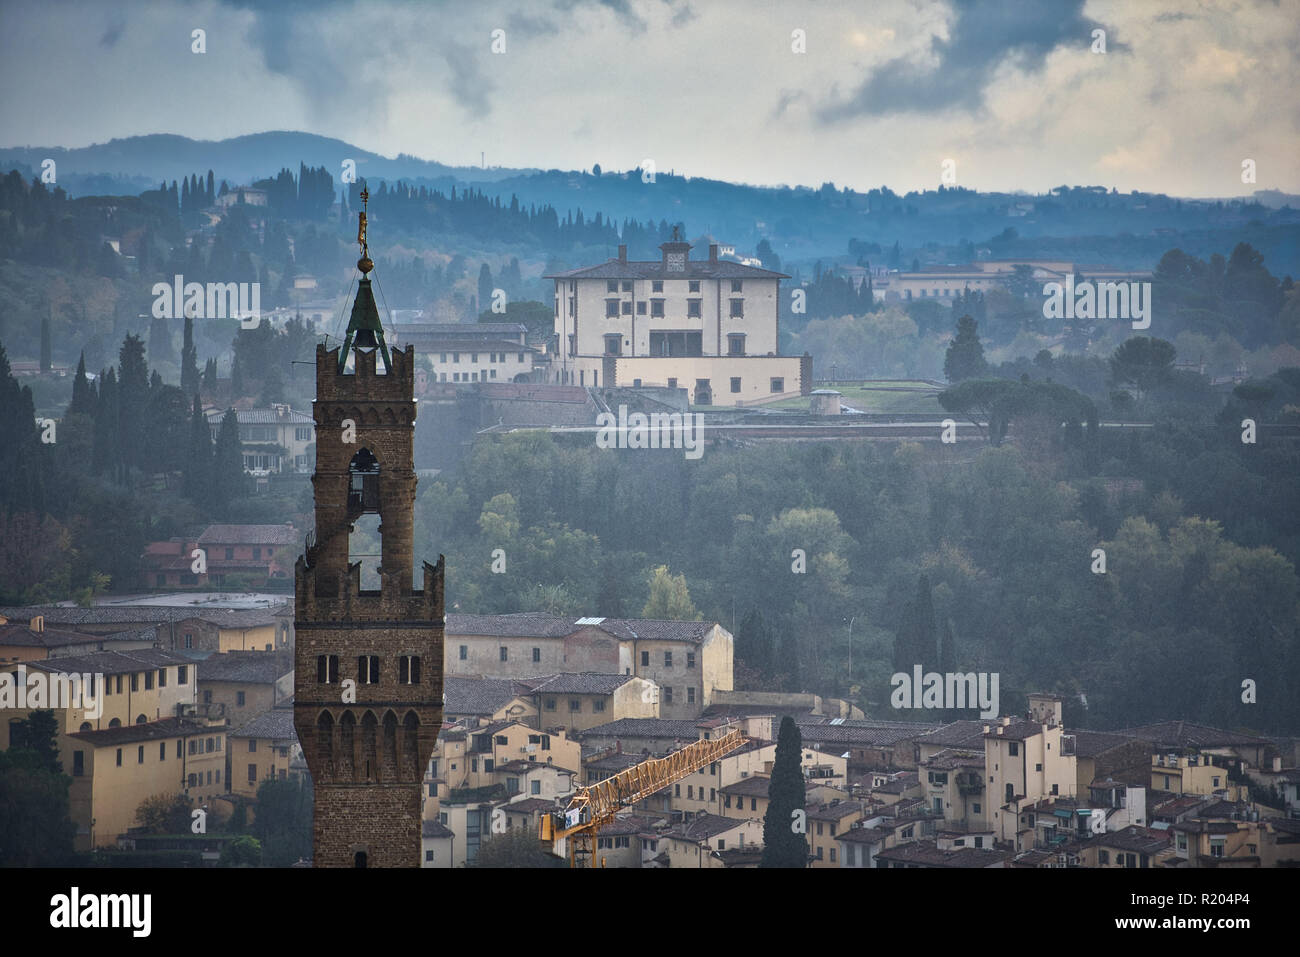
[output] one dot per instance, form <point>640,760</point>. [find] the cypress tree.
<point>789,663</point>
<point>189,360</point>
<point>133,400</point>
<point>754,642</point>
<point>105,455</point>
<point>228,463</point>
<point>915,642</point>
<point>47,351</point>
<point>198,458</point>
<point>785,843</point>
<point>83,393</point>
<point>210,375</point>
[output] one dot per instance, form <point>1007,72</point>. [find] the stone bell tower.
<point>368,664</point>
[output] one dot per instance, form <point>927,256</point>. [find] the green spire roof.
<point>364,328</point>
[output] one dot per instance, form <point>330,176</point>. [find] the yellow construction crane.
<point>594,805</point>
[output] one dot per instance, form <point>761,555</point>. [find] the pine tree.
<point>785,843</point>
<point>965,356</point>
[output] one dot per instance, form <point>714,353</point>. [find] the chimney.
<point>622,252</point>
<point>713,252</point>
<point>1006,720</point>
<point>37,624</point>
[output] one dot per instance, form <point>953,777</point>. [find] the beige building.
<point>701,841</point>
<point>179,627</point>
<point>273,440</point>
<point>1130,847</point>
<point>952,783</point>
<point>826,824</point>
<point>1193,774</point>
<point>1024,763</point>
<point>242,684</point>
<point>262,750</point>
<point>471,701</point>
<point>705,325</point>
<point>28,639</point>
<point>577,702</point>
<point>687,660</point>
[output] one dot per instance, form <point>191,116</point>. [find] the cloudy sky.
<point>885,92</point>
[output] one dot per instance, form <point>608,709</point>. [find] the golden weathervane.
<point>365,264</point>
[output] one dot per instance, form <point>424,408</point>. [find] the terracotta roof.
<point>1089,744</point>
<point>274,535</point>
<point>250,667</point>
<point>584,683</point>
<point>149,731</point>
<point>23,636</point>
<point>834,812</point>
<point>927,854</point>
<point>276,724</point>
<point>435,829</point>
<point>1185,734</point>
<point>478,696</point>
<point>865,835</point>
<point>551,626</point>
<point>111,662</point>
<point>756,785</point>
<point>531,805</point>
<point>704,826</point>
<point>261,417</point>
<point>1134,838</point>
<point>643,728</point>
<point>149,614</point>
<point>654,269</point>
<point>1017,730</point>
<point>958,734</point>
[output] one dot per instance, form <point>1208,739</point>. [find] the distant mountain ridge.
<point>241,159</point>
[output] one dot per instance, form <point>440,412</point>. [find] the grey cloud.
<point>113,31</point>
<point>982,35</point>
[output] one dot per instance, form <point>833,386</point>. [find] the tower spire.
<point>365,331</point>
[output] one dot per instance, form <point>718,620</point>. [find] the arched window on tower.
<point>363,482</point>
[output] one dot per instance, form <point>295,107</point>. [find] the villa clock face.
<point>677,262</point>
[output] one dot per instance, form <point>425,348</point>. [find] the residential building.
<point>1130,847</point>
<point>577,702</point>
<point>698,842</point>
<point>474,700</point>
<point>826,823</point>
<point>705,325</point>
<point>262,750</point>
<point>28,639</point>
<point>928,854</point>
<point>273,441</point>
<point>687,660</point>
<point>243,684</point>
